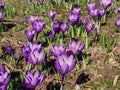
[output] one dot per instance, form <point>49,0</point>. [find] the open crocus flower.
<point>2,5</point>
<point>76,11</point>
<point>64,27</point>
<point>30,34</point>
<point>89,26</point>
<point>73,18</point>
<point>31,19</point>
<point>64,64</point>
<point>75,47</point>
<point>33,80</point>
<point>36,57</point>
<point>52,14</point>
<point>105,3</point>
<point>117,22</point>
<point>91,6</point>
<point>57,50</point>
<point>4,78</point>
<point>38,25</point>
<point>93,13</point>
<point>119,9</point>
<point>56,26</point>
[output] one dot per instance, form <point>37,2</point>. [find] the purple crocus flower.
<point>41,1</point>
<point>73,18</point>
<point>91,6</point>
<point>105,3</point>
<point>93,13</point>
<point>64,64</point>
<point>15,54</point>
<point>117,22</point>
<point>56,26</point>
<point>36,57</point>
<point>9,49</point>
<point>25,51</point>
<point>64,27</point>
<point>31,19</point>
<point>33,80</point>
<point>30,34</point>
<point>79,21</point>
<point>101,13</point>
<point>2,5</point>
<point>4,78</point>
<point>57,50</point>
<point>75,47</point>
<point>52,14</point>
<point>1,16</point>
<point>76,10</point>
<point>38,25</point>
<point>34,46</point>
<point>52,34</point>
<point>119,9</point>
<point>89,26</point>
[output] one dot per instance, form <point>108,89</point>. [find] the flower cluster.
<point>33,53</point>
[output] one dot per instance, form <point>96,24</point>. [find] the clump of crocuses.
<point>4,78</point>
<point>33,80</point>
<point>33,53</point>
<point>64,64</point>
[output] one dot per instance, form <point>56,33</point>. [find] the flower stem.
<point>86,46</point>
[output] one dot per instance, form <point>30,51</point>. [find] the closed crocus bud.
<point>2,5</point>
<point>56,26</point>
<point>38,25</point>
<point>9,49</point>
<point>105,3</point>
<point>1,16</point>
<point>93,13</point>
<point>33,80</point>
<point>64,27</point>
<point>73,18</point>
<point>25,51</point>
<point>52,34</point>
<point>52,14</point>
<point>91,6</point>
<point>31,19</point>
<point>57,50</point>
<point>119,9</point>
<point>76,10</point>
<point>64,64</point>
<point>117,22</point>
<point>75,47</point>
<point>41,1</point>
<point>15,54</point>
<point>4,78</point>
<point>101,13</point>
<point>89,26</point>
<point>79,21</point>
<point>30,35</point>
